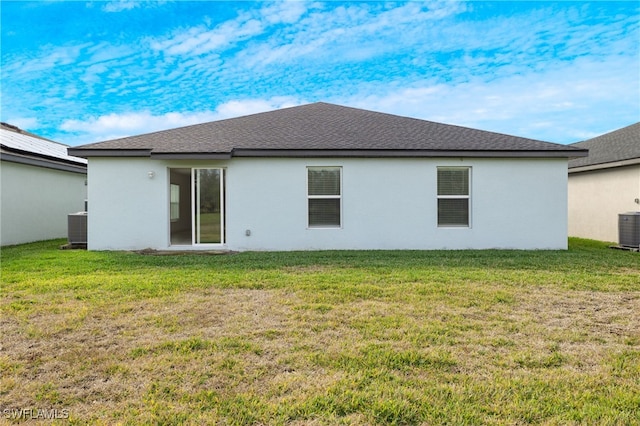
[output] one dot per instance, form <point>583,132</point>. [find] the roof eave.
<point>191,155</point>
<point>86,153</point>
<point>404,153</point>
<point>43,162</point>
<point>326,153</point>
<point>124,153</point>
<point>602,166</point>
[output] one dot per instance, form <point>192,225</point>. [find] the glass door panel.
<point>208,207</point>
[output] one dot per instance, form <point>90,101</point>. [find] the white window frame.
<point>325,197</point>
<point>454,197</point>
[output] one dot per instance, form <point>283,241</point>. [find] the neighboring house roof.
<point>618,148</point>
<point>19,146</point>
<point>323,130</point>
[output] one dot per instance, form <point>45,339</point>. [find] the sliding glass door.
<point>196,210</point>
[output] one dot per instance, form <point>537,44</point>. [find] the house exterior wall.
<point>35,202</point>
<point>386,204</point>
<point>597,197</point>
<point>127,208</point>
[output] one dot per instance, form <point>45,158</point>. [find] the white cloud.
<point>198,40</point>
<point>546,70</point>
<point>122,5</point>
<point>201,40</point>
<point>353,32</point>
<point>557,105</point>
<point>253,106</point>
<point>48,58</point>
<point>25,123</point>
<point>119,6</point>
<point>120,125</point>
<point>286,12</point>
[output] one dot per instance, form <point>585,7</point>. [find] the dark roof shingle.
<point>619,145</point>
<point>319,128</point>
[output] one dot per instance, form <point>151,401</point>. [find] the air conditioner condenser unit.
<point>629,229</point>
<point>77,228</point>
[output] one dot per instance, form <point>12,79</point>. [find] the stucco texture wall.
<point>35,202</point>
<point>597,197</point>
<point>386,204</point>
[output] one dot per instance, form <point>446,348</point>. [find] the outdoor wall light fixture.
<point>151,174</point>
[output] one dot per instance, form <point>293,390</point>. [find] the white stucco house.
<point>322,176</point>
<point>604,184</point>
<point>40,184</point>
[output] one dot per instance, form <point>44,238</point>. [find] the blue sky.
<point>81,71</point>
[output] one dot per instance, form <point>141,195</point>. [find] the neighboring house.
<point>604,184</point>
<point>323,176</point>
<point>40,185</point>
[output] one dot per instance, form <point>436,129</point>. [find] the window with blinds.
<point>453,196</point>
<point>324,194</point>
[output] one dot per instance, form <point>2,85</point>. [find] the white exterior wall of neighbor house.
<point>36,202</point>
<point>386,204</point>
<point>597,197</point>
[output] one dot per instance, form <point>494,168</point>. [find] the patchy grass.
<point>380,337</point>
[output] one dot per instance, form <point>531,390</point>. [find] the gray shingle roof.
<point>619,145</point>
<point>322,129</point>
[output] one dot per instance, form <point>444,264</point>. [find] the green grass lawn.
<point>314,338</point>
